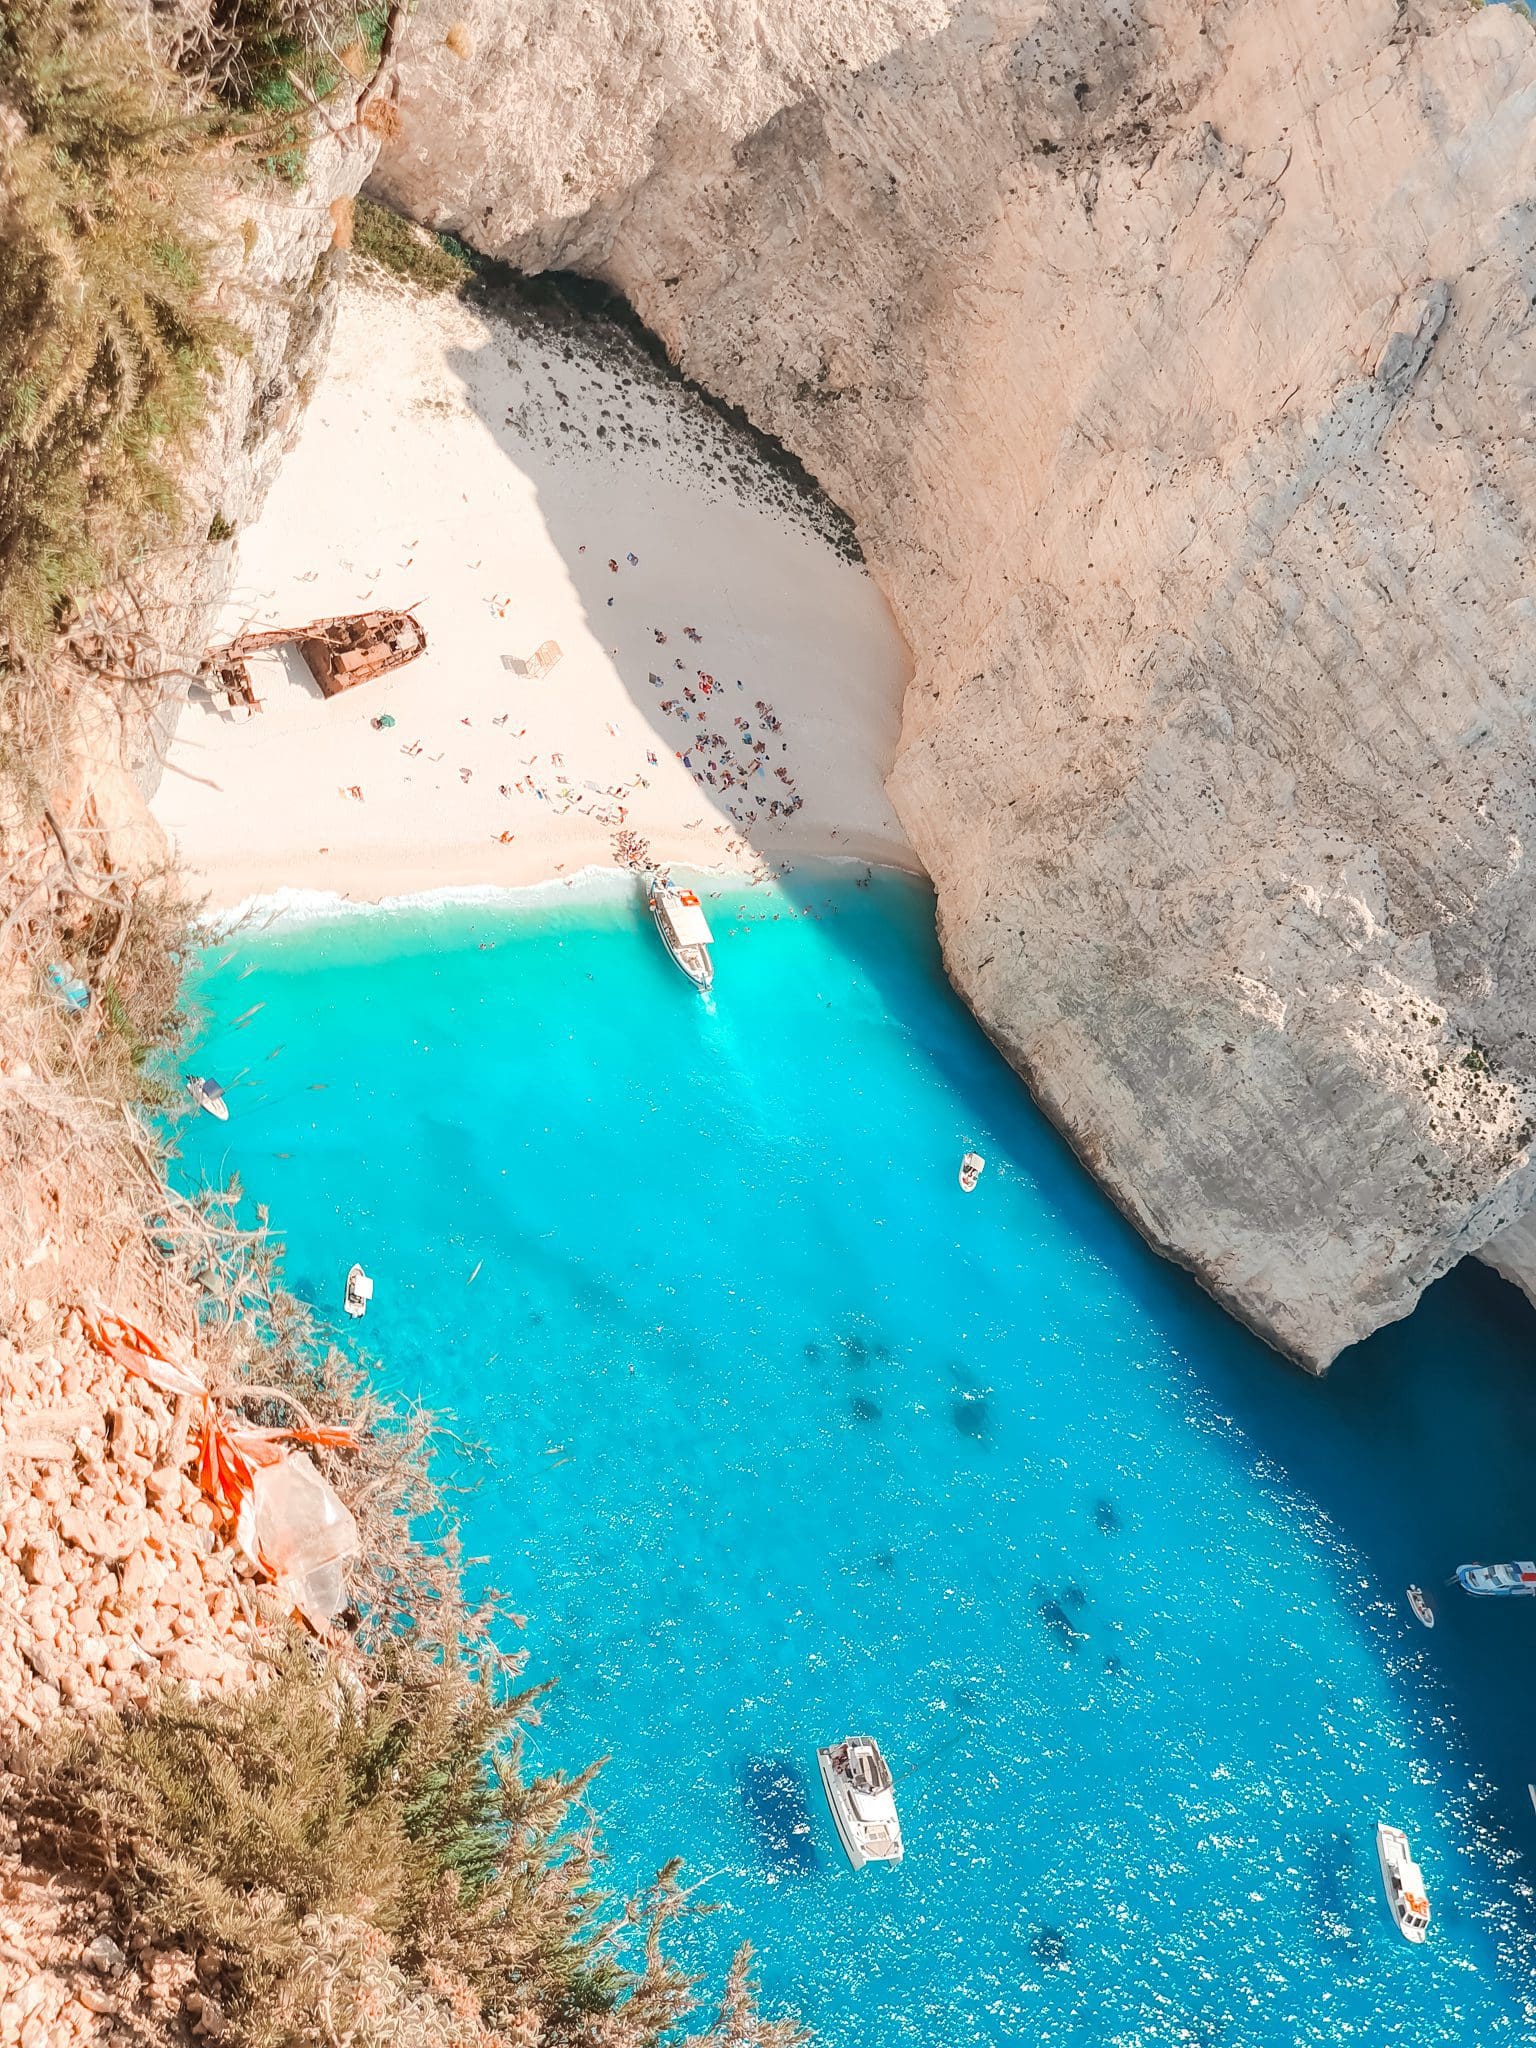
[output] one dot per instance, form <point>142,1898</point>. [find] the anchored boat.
<point>1504,1579</point>
<point>1418,1601</point>
<point>684,929</point>
<point>1404,1882</point>
<point>359,1292</point>
<point>208,1095</point>
<point>972,1167</point>
<point>857,1782</point>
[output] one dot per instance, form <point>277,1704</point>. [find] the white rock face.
<point>1512,1253</point>
<point>276,255</point>
<point>1175,360</point>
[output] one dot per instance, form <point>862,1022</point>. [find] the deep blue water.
<point>773,1435</point>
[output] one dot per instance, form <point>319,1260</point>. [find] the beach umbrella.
<point>383,722</point>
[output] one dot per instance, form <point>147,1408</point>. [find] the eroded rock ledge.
<point>1175,362</point>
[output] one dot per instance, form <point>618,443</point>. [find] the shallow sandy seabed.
<point>493,468</point>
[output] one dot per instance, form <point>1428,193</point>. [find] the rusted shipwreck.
<point>339,653</point>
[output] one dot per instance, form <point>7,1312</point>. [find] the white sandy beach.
<point>493,470</point>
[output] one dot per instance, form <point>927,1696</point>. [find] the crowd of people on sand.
<point>735,751</point>
<point>734,764</point>
<point>632,851</point>
<point>737,763</point>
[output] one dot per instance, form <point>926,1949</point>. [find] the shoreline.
<point>353,878</point>
<point>299,902</point>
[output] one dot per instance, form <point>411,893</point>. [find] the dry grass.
<point>367,1865</point>
<point>316,1839</point>
<point>78,1174</point>
<point>106,342</point>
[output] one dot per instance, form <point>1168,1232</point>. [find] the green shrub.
<point>263,45</point>
<point>436,262</point>
<point>341,1860</point>
<point>106,344</point>
<point>270,59</point>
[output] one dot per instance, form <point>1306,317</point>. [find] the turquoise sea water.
<point>784,1437</point>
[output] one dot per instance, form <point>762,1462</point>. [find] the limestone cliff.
<point>1174,360</point>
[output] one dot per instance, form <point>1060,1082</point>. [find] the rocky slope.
<point>1174,360</point>
<point>111,1581</point>
<point>115,1579</point>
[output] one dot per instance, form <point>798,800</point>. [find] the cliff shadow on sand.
<point>717,587</point>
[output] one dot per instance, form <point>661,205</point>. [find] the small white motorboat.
<point>359,1292</point>
<point>972,1166</point>
<point>1404,1883</point>
<point>1418,1601</point>
<point>857,1782</point>
<point>1489,1580</point>
<point>684,929</point>
<point>208,1095</point>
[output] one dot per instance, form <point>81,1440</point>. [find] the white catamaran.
<point>684,929</point>
<point>857,1782</point>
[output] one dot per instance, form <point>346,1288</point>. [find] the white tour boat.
<point>857,1782</point>
<point>359,1292</point>
<point>1404,1883</point>
<point>1418,1600</point>
<point>209,1096</point>
<point>1486,1579</point>
<point>972,1166</point>
<point>684,929</point>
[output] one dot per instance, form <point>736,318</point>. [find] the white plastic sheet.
<point>303,1532</point>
